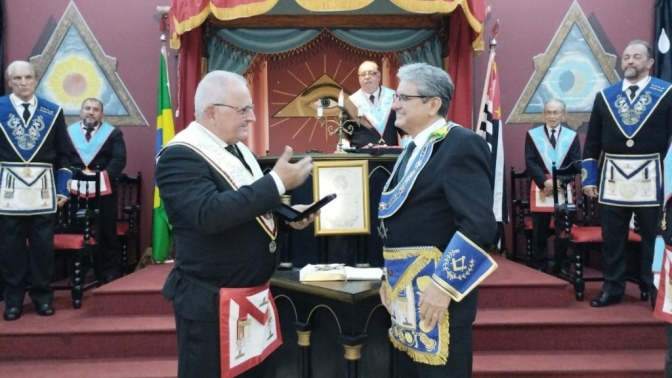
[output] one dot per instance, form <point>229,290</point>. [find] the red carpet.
<point>528,325</point>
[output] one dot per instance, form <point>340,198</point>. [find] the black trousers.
<point>540,223</point>
<point>107,237</point>
<point>459,364</point>
<point>198,353</point>
<point>615,227</point>
<point>27,257</point>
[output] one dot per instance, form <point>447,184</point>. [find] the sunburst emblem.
<point>73,80</point>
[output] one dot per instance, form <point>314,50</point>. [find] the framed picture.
<point>349,212</point>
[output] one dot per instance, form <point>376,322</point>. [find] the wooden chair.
<point>521,219</point>
<point>128,219</point>
<point>74,234</point>
<point>577,226</point>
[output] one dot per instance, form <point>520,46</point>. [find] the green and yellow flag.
<point>165,131</point>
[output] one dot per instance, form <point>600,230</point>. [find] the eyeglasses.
<point>242,111</point>
<point>554,112</point>
<point>368,73</point>
<point>406,98</point>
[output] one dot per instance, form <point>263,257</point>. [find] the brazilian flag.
<point>165,131</point>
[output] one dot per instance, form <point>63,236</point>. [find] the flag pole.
<point>491,58</point>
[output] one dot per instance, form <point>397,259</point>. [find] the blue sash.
<point>27,138</point>
<point>376,115</point>
<point>88,150</point>
<point>549,154</point>
<point>391,200</point>
<point>630,115</point>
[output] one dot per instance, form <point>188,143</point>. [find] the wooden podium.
<point>333,329</point>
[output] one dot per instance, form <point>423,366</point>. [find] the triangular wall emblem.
<point>574,68</point>
<point>73,67</point>
<point>324,91</point>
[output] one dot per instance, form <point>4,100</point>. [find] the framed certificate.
<point>349,212</point>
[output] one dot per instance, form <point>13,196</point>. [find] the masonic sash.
<point>249,328</point>
<point>27,189</point>
<point>631,180</point>
<point>393,198</point>
<point>87,151</point>
<point>630,115</point>
<point>377,115</point>
<point>204,143</point>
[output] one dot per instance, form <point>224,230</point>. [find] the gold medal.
<point>26,171</point>
<point>272,246</point>
<point>630,143</point>
<point>87,171</point>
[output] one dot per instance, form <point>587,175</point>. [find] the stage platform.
<point>528,325</point>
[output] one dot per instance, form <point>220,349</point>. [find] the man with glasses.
<point>221,207</point>
<point>629,128</point>
<point>373,104</point>
<point>545,146</point>
<point>436,222</point>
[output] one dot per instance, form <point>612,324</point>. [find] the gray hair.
<point>213,89</point>
<point>431,82</point>
<point>557,101</point>
<point>16,64</point>
<point>649,49</point>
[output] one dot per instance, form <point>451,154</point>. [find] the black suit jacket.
<point>603,134</point>
<point>110,158</point>
<point>55,149</point>
<point>218,241</point>
<point>453,192</point>
<point>534,164</point>
<point>362,135</point>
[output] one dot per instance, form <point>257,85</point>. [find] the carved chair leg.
<point>579,283</point>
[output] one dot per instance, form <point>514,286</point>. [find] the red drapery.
<point>465,38</point>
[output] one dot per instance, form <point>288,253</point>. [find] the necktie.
<point>372,98</point>
<point>89,130</point>
<point>633,89</point>
<point>403,163</point>
<point>26,112</point>
<point>234,151</point>
<point>553,138</point>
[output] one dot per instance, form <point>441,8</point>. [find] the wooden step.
<point>630,363</point>
<point>99,368</point>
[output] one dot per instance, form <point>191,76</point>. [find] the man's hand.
<point>303,223</point>
<point>548,188</point>
<point>591,192</point>
<point>383,295</point>
<point>61,201</point>
<point>292,175</point>
<point>433,305</point>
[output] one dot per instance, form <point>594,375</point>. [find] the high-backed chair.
<point>521,219</point>
<point>128,219</point>
<point>577,225</point>
<point>74,234</point>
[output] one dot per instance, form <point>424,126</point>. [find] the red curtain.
<point>466,28</point>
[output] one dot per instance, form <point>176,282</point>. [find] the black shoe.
<point>644,295</point>
<point>12,313</point>
<point>605,299</point>
<point>654,296</point>
<point>45,309</point>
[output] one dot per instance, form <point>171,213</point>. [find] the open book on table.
<point>338,272</point>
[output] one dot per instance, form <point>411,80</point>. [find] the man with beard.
<point>34,170</point>
<point>97,145</point>
<point>373,108</point>
<point>630,125</point>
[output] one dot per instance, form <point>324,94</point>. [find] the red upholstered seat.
<point>634,237</point>
<point>122,228</point>
<point>70,241</point>
<point>586,234</point>
<point>528,223</point>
